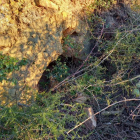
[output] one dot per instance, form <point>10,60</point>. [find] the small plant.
<point>136,91</point>
<point>71,47</point>
<point>59,71</point>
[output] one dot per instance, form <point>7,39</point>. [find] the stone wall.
<point>33,29</point>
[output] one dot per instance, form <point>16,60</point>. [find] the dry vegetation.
<point>108,80</point>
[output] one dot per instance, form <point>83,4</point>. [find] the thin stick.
<point>64,81</point>
<point>129,80</point>
<point>92,48</point>
<point>132,114</point>
<point>126,100</point>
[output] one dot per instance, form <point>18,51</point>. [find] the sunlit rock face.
<point>33,29</point>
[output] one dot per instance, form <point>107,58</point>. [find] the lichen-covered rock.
<point>33,29</point>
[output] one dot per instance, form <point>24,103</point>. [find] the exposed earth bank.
<point>34,30</point>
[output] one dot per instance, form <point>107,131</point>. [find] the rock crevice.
<point>33,29</point>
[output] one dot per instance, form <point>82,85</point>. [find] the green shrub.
<point>59,71</point>
<point>48,117</point>
<point>126,54</point>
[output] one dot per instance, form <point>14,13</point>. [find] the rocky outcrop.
<point>33,29</point>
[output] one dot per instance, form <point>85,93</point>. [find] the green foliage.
<point>138,85</point>
<point>136,92</point>
<point>73,46</point>
<point>105,4</point>
<point>59,71</point>
<point>86,82</point>
<point>126,52</point>
<point>9,64</point>
<point>68,41</point>
<point>102,4</point>
<point>46,118</point>
<point>51,115</point>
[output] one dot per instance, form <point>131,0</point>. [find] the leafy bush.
<point>59,71</point>
<point>126,54</point>
<point>46,118</point>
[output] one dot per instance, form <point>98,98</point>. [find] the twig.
<point>107,113</point>
<point>92,48</point>
<point>22,105</point>
<point>132,124</point>
<point>127,80</point>
<point>104,58</point>
<point>124,81</point>
<point>127,100</point>
<point>64,81</point>
<point>133,112</point>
